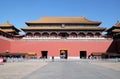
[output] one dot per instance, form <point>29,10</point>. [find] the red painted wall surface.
<point>4,45</point>
<point>54,47</point>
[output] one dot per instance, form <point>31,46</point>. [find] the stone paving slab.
<point>73,70</point>
<point>111,65</point>
<point>62,69</point>
<point>17,70</point>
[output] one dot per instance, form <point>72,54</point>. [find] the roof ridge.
<point>60,19</point>
<point>117,24</point>
<point>62,16</point>
<point>7,23</point>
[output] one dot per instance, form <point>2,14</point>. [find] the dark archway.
<point>73,34</point>
<point>29,34</point>
<point>44,54</point>
<point>53,34</point>
<point>63,35</point>
<point>37,34</point>
<point>83,54</point>
<point>90,35</point>
<point>81,34</point>
<point>63,54</point>
<point>97,34</point>
<point>45,34</point>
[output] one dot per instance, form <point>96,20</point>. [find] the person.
<point>4,59</point>
<point>52,58</point>
<point>1,61</point>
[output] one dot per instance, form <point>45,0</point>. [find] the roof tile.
<point>63,20</point>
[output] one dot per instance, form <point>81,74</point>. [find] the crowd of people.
<point>12,59</point>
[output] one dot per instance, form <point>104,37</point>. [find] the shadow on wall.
<point>113,47</point>
<point>118,46</point>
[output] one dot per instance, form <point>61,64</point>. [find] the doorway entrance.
<point>44,54</point>
<point>83,54</point>
<point>63,54</point>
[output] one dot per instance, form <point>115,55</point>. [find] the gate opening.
<point>83,54</point>
<point>44,54</point>
<point>63,54</point>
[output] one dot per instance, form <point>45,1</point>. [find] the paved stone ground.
<point>73,70</point>
<point>112,65</point>
<point>18,70</point>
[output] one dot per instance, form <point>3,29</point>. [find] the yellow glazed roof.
<point>117,24</point>
<point>7,24</point>
<point>63,20</point>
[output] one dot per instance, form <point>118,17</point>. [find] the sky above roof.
<point>17,12</point>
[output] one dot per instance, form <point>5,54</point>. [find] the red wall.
<point>4,45</point>
<point>54,47</point>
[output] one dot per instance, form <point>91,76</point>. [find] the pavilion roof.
<point>117,24</point>
<point>114,27</point>
<point>59,20</point>
<point>62,28</point>
<point>7,24</point>
<point>116,30</point>
<point>1,30</point>
<point>8,30</point>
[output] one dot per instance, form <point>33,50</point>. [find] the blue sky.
<point>20,11</point>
